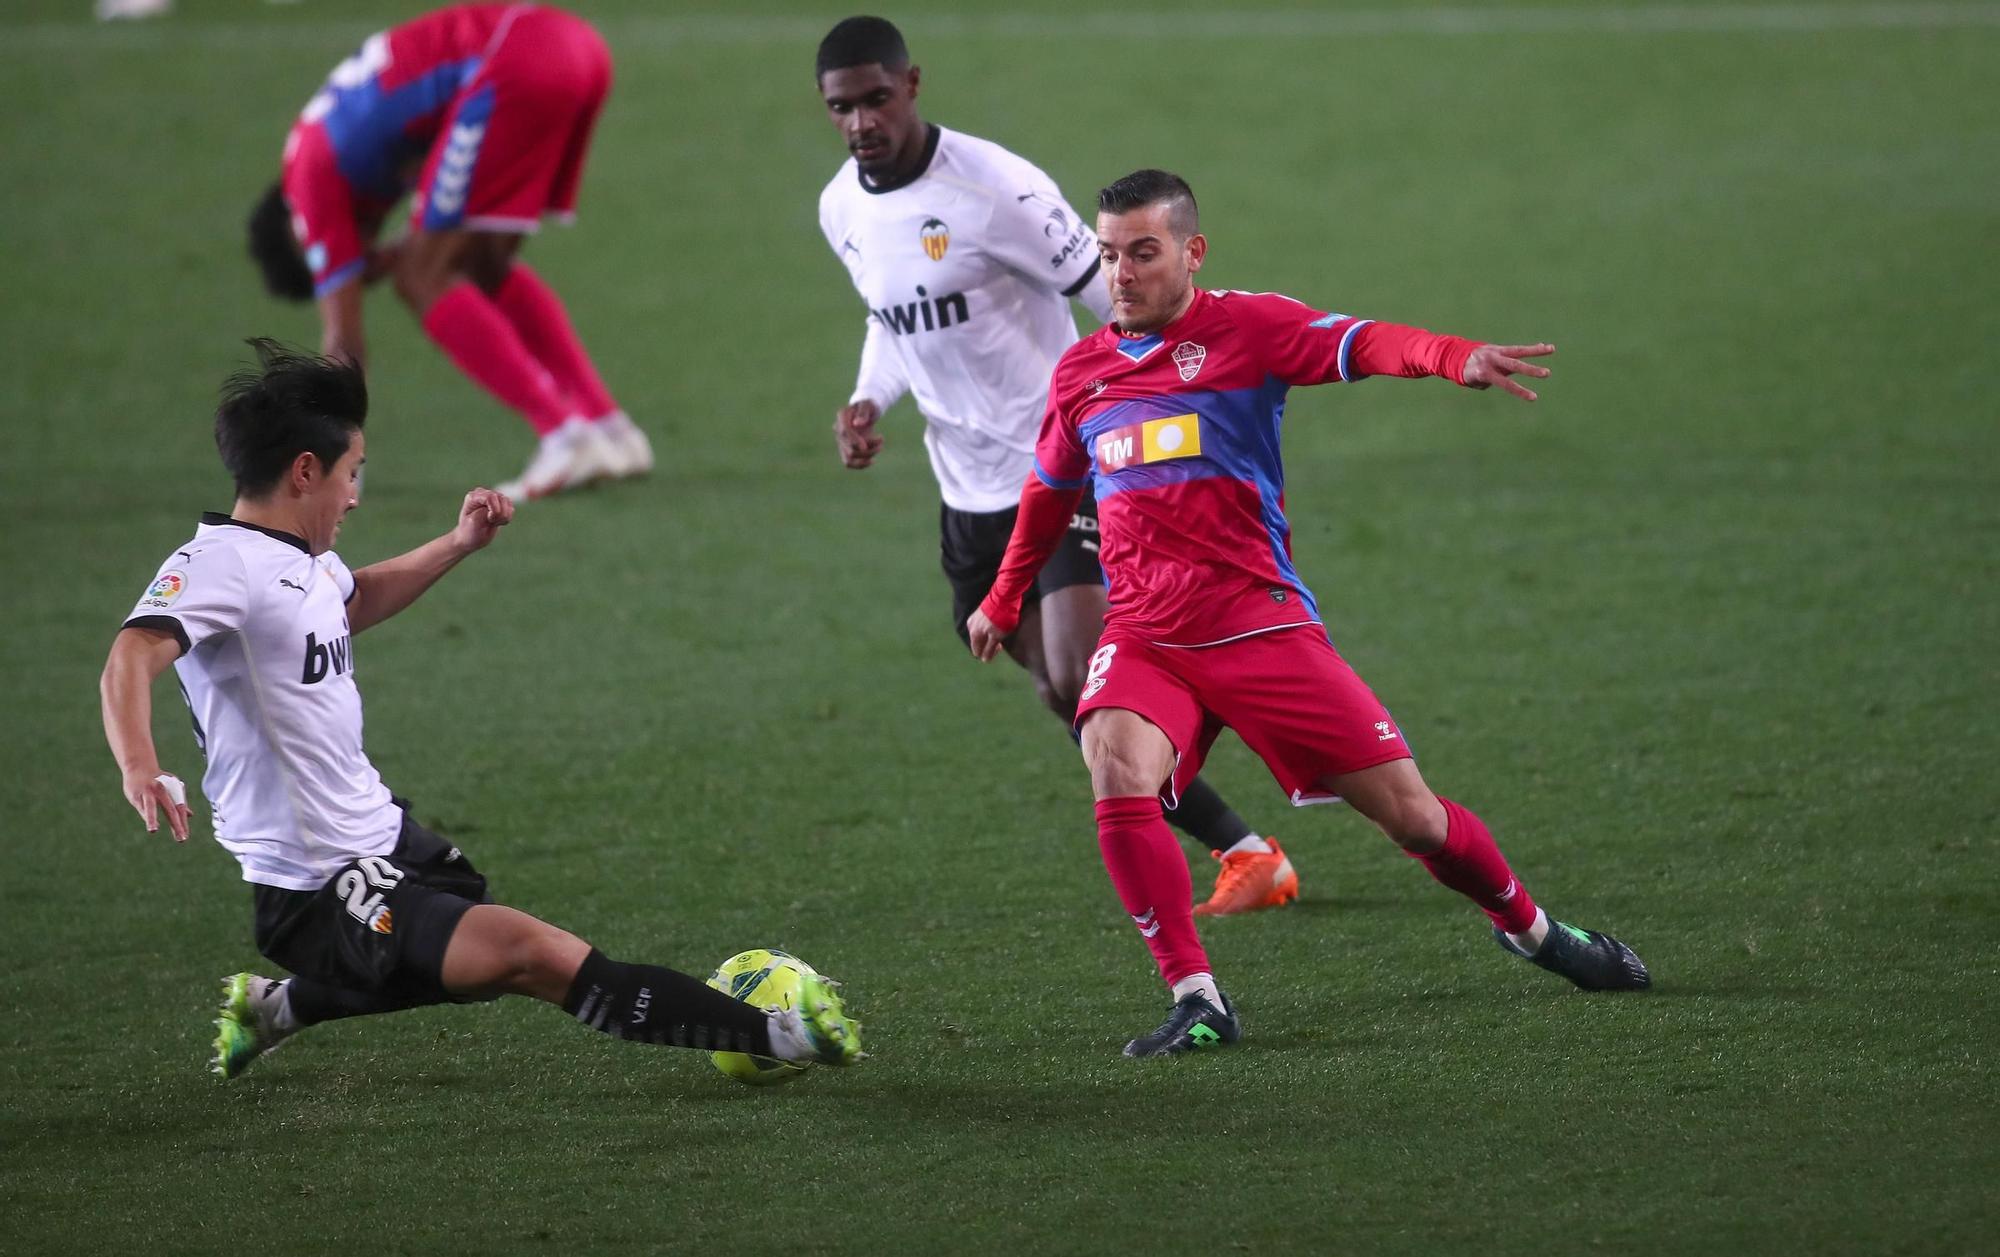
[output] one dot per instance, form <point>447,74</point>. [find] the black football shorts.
<point>381,923</point>
<point>972,543</point>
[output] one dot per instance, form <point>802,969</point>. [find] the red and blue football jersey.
<point>1178,431</point>
<point>349,158</point>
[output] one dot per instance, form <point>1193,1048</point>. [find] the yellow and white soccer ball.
<point>768,979</point>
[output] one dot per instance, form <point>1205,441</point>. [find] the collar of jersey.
<point>1139,348</point>
<point>923,167</point>
<point>218,518</point>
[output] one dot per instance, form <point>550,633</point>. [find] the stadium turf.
<point>1707,636</point>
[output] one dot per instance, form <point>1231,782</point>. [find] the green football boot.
<point>835,1037</point>
<point>244,1029</point>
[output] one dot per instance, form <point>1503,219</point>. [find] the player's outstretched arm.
<point>1498,364</point>
<point>382,589</point>
<point>138,656</point>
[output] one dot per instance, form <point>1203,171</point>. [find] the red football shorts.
<point>513,143</point>
<point>1288,694</point>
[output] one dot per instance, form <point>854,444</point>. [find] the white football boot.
<point>569,458</point>
<point>623,446</point>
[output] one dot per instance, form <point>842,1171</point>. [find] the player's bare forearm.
<point>386,588</point>
<point>340,329</point>
<point>125,691</point>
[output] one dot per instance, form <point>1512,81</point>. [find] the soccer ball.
<point>767,979</point>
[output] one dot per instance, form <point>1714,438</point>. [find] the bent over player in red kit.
<point>1172,414</point>
<point>482,113</point>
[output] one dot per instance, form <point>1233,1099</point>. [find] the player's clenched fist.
<point>854,433</point>
<point>484,513</point>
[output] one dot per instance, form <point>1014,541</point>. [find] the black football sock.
<point>657,1005</point>
<point>1204,817</point>
<point>314,1001</point>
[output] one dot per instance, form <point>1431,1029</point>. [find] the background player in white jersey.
<point>371,911</point>
<point>968,257</point>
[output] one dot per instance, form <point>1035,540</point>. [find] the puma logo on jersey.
<point>925,314</point>
<point>291,584</point>
<point>336,658</point>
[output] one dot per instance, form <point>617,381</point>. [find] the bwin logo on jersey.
<point>936,238</point>
<point>925,314</point>
<point>336,658</point>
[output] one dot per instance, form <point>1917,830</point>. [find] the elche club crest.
<point>1188,357</point>
<point>936,238</point>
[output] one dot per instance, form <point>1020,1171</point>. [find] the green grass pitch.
<point>1708,636</point>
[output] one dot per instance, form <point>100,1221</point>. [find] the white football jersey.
<point>967,270</point>
<point>267,668</point>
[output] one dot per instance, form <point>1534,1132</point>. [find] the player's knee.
<point>548,957</point>
<point>419,283</point>
<point>488,259</point>
<point>1118,772</point>
<point>1059,694</point>
<point>1063,691</point>
<point>1415,822</point>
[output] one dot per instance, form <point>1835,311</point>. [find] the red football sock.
<point>1472,865</point>
<point>538,315</point>
<point>1151,875</point>
<point>475,335</point>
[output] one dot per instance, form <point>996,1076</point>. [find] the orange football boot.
<point>1250,880</point>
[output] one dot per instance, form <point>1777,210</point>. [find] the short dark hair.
<point>275,250</point>
<point>862,41</point>
<point>1154,187</point>
<point>291,403</point>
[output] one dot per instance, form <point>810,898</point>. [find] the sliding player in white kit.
<point>369,910</point>
<point>968,257</point>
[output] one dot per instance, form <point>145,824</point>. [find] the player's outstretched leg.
<point>251,1022</point>
<point>1458,850</point>
<point>496,950</point>
<point>1594,961</point>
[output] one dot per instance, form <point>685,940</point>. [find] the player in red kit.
<point>482,114</point>
<point>1172,414</point>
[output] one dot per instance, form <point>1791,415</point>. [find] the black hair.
<point>1154,187</point>
<point>291,403</point>
<point>862,41</point>
<point>275,250</point>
